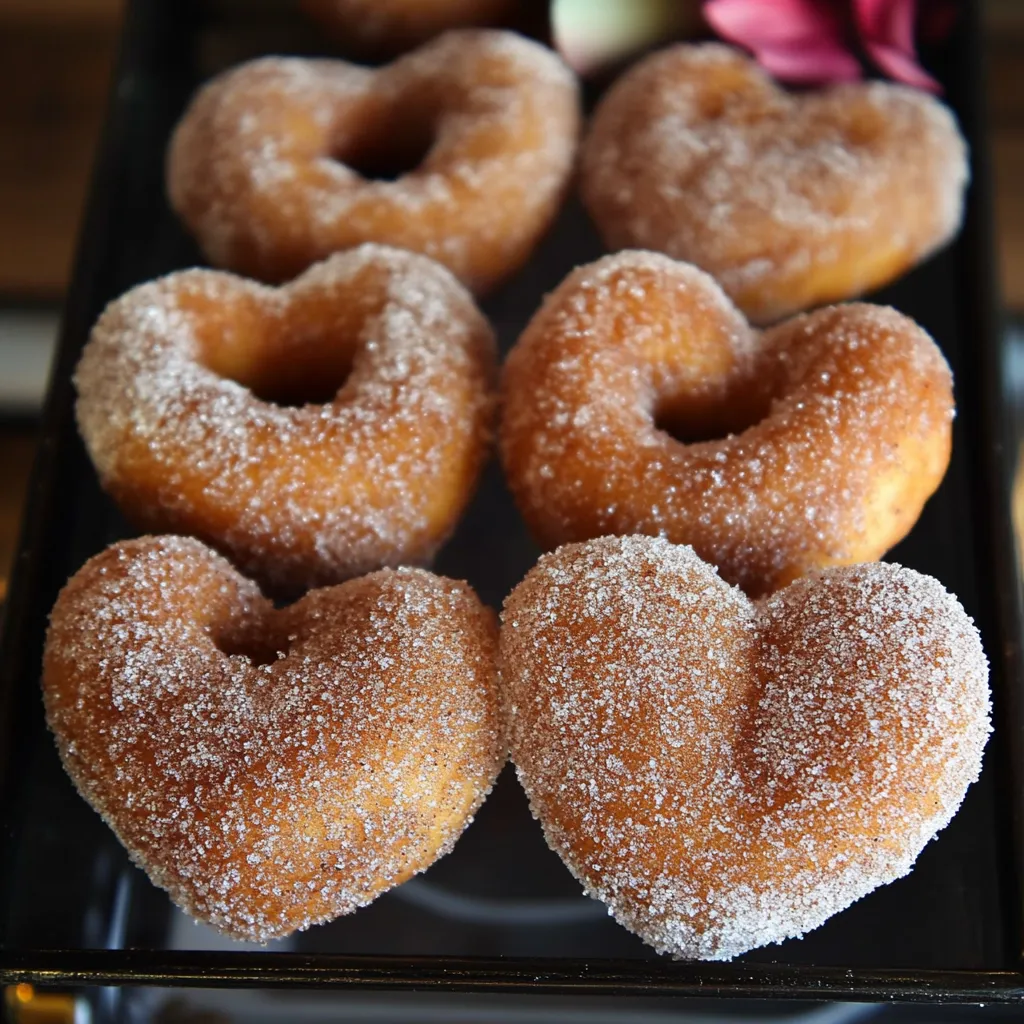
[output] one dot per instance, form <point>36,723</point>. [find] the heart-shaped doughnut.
<point>311,432</point>
<point>638,400</point>
<point>788,201</point>
<point>725,774</point>
<point>272,769</point>
<point>461,150</point>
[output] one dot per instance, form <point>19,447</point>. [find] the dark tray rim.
<point>509,975</point>
<point>1005,611</point>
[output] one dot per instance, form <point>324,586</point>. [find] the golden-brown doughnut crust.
<point>788,201</point>
<point>257,166</point>
<point>178,392</point>
<point>272,769</point>
<point>725,774</point>
<point>390,26</point>
<point>829,432</point>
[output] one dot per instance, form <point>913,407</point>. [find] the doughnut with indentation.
<point>638,400</point>
<point>272,769</point>
<point>788,201</point>
<point>311,432</point>
<point>481,127</point>
<point>723,773</point>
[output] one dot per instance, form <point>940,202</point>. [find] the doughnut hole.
<point>694,418</point>
<point>300,358</point>
<point>388,147</point>
<point>864,125</point>
<point>249,640</point>
<point>727,94</point>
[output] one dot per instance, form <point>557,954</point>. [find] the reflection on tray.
<point>425,896</point>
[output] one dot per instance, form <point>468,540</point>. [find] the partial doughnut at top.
<point>311,433</point>
<point>390,26</point>
<point>788,201</point>
<point>281,162</point>
<point>815,443</point>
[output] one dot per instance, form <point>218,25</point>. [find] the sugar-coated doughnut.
<point>725,774</point>
<point>264,167</point>
<point>815,443</point>
<point>179,403</point>
<point>788,201</point>
<point>390,26</point>
<point>272,769</point>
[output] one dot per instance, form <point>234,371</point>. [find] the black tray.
<point>500,913</point>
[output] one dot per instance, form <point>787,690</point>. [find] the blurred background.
<point>56,58</point>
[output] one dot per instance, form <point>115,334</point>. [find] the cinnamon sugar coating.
<point>815,443</point>
<point>179,403</point>
<point>787,200</point>
<point>725,774</point>
<point>258,168</point>
<point>272,769</point>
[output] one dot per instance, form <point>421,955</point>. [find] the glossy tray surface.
<point>500,912</point>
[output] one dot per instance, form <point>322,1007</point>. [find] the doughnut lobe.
<point>272,769</point>
<point>725,774</point>
<point>638,400</point>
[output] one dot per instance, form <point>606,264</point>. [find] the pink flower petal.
<point>887,32</point>
<point>794,40</point>
<point>807,66</point>
<point>890,22</point>
<point>757,22</point>
<point>899,66</point>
